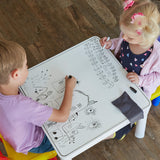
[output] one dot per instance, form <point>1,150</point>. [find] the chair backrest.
<point>13,155</point>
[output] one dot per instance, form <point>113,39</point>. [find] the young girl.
<point>137,48</point>
<point>21,118</point>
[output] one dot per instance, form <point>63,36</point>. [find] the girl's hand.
<point>70,82</point>
<point>133,77</point>
<point>103,41</point>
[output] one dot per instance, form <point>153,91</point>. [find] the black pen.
<point>71,77</point>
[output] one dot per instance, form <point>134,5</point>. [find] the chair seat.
<point>2,157</point>
<point>13,155</point>
<point>156,93</point>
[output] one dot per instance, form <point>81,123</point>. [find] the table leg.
<point>141,126</point>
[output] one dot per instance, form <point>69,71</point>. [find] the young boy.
<point>21,118</point>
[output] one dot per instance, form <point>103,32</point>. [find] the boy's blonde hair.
<point>150,21</point>
<point>12,56</point>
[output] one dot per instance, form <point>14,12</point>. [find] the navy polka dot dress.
<point>132,62</point>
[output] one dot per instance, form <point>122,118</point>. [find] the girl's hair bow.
<point>128,4</point>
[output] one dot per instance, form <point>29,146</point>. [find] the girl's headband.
<point>138,19</point>
<point>128,4</point>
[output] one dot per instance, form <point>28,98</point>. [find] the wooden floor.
<point>47,27</point>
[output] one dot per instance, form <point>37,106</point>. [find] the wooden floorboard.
<point>47,27</point>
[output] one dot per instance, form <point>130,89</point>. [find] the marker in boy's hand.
<point>70,81</point>
<point>71,77</point>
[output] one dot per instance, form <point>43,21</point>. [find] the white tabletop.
<point>101,80</point>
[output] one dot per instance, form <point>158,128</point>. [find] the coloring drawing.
<point>67,132</point>
<point>82,105</point>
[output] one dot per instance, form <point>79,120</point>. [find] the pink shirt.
<point>21,120</point>
<point>149,77</point>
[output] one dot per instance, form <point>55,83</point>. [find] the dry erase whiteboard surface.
<point>101,80</point>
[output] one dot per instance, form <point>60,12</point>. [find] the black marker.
<point>71,77</point>
<point>133,90</point>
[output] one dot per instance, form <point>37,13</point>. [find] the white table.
<point>93,117</point>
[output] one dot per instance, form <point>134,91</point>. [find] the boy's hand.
<point>70,82</point>
<point>133,77</point>
<point>103,41</point>
<point>62,114</point>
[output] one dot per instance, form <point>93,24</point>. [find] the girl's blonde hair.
<point>12,56</point>
<point>149,27</point>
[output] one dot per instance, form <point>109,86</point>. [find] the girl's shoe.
<point>123,132</point>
